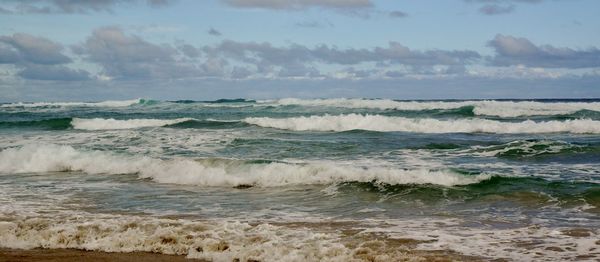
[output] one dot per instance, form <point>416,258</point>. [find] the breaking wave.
<point>110,123</point>
<point>488,108</point>
<point>217,172</point>
<point>110,103</point>
<point>381,123</point>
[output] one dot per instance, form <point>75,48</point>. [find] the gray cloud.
<point>123,56</point>
<point>8,55</point>
<point>189,50</point>
<point>5,11</point>
<point>505,1</point>
<point>314,24</point>
<point>512,50</point>
<point>239,72</point>
<point>38,58</point>
<point>53,72</point>
<point>130,57</point>
<point>397,14</point>
<point>299,4</point>
<point>396,53</point>
<point>28,48</point>
<point>71,6</point>
<point>214,32</point>
<point>499,7</point>
<point>493,9</point>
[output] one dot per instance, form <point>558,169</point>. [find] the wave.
<point>336,123</point>
<point>218,101</point>
<point>381,123</point>
<point>488,108</point>
<point>110,103</point>
<point>47,124</point>
<point>217,172</point>
<point>532,148</point>
<point>113,124</point>
<point>476,107</point>
<point>530,189</point>
<point>108,124</point>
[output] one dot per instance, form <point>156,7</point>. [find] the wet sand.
<point>70,255</point>
<point>64,255</point>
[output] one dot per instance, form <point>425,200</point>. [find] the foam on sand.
<point>208,240</point>
<point>110,123</point>
<point>217,172</point>
<point>222,240</point>
<point>423,125</point>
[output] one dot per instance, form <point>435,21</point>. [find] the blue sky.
<point>176,49</point>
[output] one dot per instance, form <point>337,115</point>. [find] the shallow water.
<point>494,179</point>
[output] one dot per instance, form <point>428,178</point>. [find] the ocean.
<point>304,179</point>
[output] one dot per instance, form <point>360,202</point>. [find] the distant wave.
<point>218,101</point>
<point>217,172</point>
<point>116,103</point>
<point>488,108</point>
<point>113,124</point>
<point>483,108</point>
<point>532,148</point>
<point>107,124</point>
<point>334,123</point>
<point>423,125</point>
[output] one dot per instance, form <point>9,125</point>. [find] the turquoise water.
<point>482,175</point>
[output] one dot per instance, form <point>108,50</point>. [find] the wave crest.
<point>217,172</point>
<point>109,103</point>
<point>487,108</point>
<point>110,123</point>
<point>423,125</point>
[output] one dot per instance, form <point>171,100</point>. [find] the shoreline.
<point>67,255</point>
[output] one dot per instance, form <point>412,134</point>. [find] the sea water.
<point>287,179</point>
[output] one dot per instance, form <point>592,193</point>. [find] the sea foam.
<point>217,241</point>
<point>423,125</point>
<point>217,172</point>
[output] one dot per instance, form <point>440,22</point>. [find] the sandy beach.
<point>68,255</point>
<point>59,255</point>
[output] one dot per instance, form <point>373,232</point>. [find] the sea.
<point>305,179</point>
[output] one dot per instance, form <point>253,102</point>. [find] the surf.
<point>39,158</point>
<point>347,122</point>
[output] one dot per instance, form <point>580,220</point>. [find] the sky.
<point>94,50</point>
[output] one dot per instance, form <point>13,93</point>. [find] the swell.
<point>534,148</point>
<point>486,107</point>
<point>110,103</point>
<point>217,172</point>
<point>523,190</point>
<point>339,123</point>
<point>209,123</point>
<point>113,124</point>
<point>218,101</point>
<point>46,124</point>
